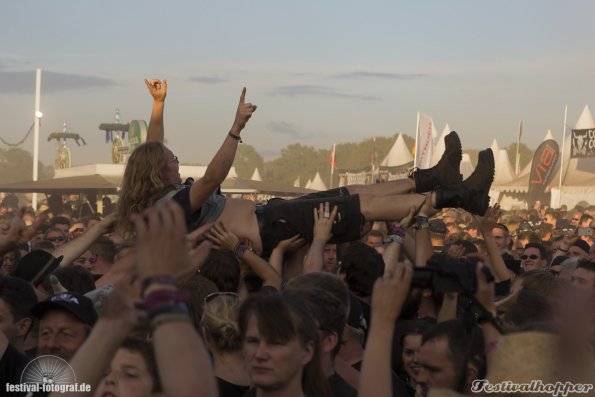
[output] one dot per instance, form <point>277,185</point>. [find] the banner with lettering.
<point>544,163</point>
<point>582,143</point>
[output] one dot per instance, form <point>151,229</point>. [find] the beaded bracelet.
<point>172,308</point>
<point>169,318</point>
<point>161,298</point>
<point>421,222</point>
<point>394,238</point>
<point>167,280</point>
<point>236,137</point>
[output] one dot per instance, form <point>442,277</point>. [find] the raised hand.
<point>292,244</point>
<point>157,89</point>
<point>390,292</point>
<point>161,241</point>
<point>323,222</point>
<point>222,238</point>
<point>243,113</point>
<point>489,220</point>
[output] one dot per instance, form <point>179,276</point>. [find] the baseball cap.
<point>36,266</point>
<point>76,304</point>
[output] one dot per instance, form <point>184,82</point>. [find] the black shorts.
<point>281,219</point>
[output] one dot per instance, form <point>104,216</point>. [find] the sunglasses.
<point>576,219</point>
<point>54,239</point>
<point>525,257</point>
<point>214,295</point>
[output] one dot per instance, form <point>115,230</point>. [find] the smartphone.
<point>585,231</point>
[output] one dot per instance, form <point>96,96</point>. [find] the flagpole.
<point>416,142</point>
<point>332,165</point>
<point>518,142</point>
<point>562,154</point>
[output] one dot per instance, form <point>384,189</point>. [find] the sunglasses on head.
<point>214,295</point>
<point>525,257</point>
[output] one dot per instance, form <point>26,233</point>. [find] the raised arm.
<point>158,91</point>
<point>323,223</point>
<point>220,165</point>
<point>487,224</point>
<point>75,248</point>
<point>179,350</point>
<point>224,239</point>
<point>388,297</point>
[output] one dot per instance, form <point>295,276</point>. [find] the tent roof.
<point>256,175</point>
<point>585,120</point>
<point>439,145</point>
<point>317,183</point>
<point>503,172</point>
<point>398,154</point>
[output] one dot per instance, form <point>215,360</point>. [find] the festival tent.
<point>495,147</point>
<point>503,170</point>
<point>256,175</point>
<point>398,154</point>
<point>317,183</point>
<point>466,166</point>
<point>296,183</point>
<point>578,177</point>
<point>309,184</point>
<point>439,145</point>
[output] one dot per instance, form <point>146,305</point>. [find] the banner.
<point>545,160</point>
<point>424,141</point>
<point>582,143</point>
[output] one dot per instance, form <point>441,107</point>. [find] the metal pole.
<point>36,131</point>
<point>562,156</point>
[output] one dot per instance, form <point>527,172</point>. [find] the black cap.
<point>36,266</point>
<point>437,226</point>
<point>78,305</point>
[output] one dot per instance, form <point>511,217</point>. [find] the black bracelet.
<point>234,136</point>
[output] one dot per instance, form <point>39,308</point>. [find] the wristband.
<point>398,230</point>
<point>157,299</point>
<point>421,223</point>
<point>234,136</point>
<point>169,318</point>
<point>170,308</point>
<point>394,238</point>
<point>167,280</point>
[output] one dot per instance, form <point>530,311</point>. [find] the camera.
<point>443,274</point>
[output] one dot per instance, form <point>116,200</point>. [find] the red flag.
<point>332,160</point>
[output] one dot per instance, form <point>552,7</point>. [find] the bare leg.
<point>390,208</point>
<point>392,188</point>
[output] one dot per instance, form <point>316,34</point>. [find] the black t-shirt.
<point>227,389</point>
<point>340,388</point>
<point>400,388</point>
<point>12,365</point>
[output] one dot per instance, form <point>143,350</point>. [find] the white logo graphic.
<point>48,374</point>
<point>48,370</point>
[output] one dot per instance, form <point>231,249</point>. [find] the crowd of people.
<point>408,288</point>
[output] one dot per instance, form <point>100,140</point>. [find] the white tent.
<point>503,170</point>
<point>439,145</point>
<point>398,154</point>
<point>317,183</point>
<point>495,147</point>
<point>466,166</point>
<point>578,178</point>
<point>548,135</point>
<point>296,183</point>
<point>256,175</point>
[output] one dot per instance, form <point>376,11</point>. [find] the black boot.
<point>472,194</point>
<point>446,172</point>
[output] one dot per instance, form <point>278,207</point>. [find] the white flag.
<point>424,141</point>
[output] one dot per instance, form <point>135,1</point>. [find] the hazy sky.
<point>320,71</point>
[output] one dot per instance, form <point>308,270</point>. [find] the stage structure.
<point>63,159</point>
<point>122,146</point>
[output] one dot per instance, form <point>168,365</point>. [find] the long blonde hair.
<point>142,185</point>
